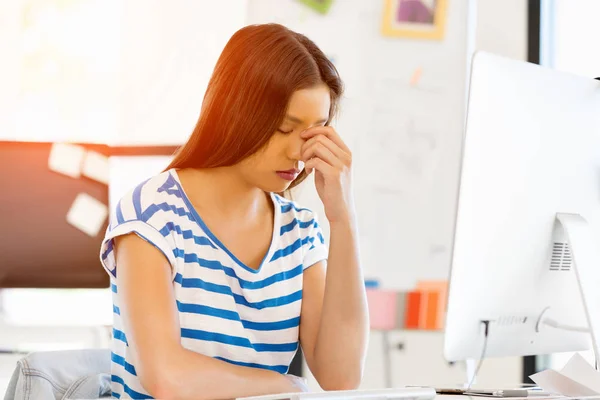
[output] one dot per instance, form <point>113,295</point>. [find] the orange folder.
<point>441,288</point>
<point>413,310</point>
<point>431,311</point>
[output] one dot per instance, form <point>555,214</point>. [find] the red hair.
<point>247,96</point>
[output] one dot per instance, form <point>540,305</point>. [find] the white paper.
<point>95,166</point>
<point>576,379</point>
<point>87,214</point>
<point>580,370</point>
<point>66,159</point>
<point>554,382</point>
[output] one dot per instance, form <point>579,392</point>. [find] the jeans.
<point>61,375</point>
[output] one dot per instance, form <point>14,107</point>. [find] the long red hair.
<point>247,96</point>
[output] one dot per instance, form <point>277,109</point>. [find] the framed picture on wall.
<point>414,19</point>
<point>321,6</point>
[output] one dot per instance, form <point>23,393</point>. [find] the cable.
<point>486,324</point>
<point>554,324</point>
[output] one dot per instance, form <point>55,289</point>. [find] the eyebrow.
<point>299,121</point>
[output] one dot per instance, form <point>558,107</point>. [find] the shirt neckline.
<point>198,219</point>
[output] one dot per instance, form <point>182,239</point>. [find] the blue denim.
<point>61,375</point>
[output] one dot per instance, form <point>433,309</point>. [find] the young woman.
<point>216,277</point>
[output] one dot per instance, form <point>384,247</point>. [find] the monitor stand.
<point>471,371</point>
<point>585,261</point>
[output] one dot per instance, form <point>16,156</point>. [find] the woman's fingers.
<point>318,149</point>
<point>323,142</point>
<point>329,133</point>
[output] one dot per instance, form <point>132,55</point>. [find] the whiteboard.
<point>406,139</point>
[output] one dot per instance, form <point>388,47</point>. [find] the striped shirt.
<point>243,316</point>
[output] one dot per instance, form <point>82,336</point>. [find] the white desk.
<point>462,397</point>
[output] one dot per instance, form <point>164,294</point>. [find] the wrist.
<point>346,219</point>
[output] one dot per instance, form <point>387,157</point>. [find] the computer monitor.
<point>525,268</point>
<point>38,247</point>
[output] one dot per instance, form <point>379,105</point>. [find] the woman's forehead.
<point>309,106</point>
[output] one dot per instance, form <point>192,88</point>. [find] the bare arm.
<point>334,328</point>
<point>164,367</point>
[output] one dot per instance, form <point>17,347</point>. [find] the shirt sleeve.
<point>151,225</point>
<point>317,248</point>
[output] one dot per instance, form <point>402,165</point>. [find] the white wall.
<point>502,27</point>
<point>10,16</point>
<point>576,37</point>
<point>149,57</point>
<point>169,50</point>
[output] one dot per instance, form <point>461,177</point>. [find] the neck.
<point>229,193</point>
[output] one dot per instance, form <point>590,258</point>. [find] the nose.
<point>294,147</point>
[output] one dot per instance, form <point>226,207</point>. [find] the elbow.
<point>160,379</point>
<point>159,385</point>
<point>340,384</point>
<point>339,381</point>
<point>165,383</point>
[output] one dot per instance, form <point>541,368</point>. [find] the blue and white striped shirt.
<point>228,311</point>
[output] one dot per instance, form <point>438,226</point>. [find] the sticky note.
<point>95,166</point>
<point>66,159</point>
<point>416,76</point>
<point>87,214</point>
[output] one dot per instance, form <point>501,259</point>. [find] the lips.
<point>291,171</point>
<point>288,175</point>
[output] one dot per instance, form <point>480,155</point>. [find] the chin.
<point>278,188</point>
<point>275,186</point>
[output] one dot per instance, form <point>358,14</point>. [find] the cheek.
<point>260,160</point>
<point>275,148</point>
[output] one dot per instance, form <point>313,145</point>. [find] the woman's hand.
<point>326,153</point>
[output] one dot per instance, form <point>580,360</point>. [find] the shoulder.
<point>300,224</point>
<point>291,207</point>
<point>148,199</point>
<point>292,210</point>
<point>298,221</point>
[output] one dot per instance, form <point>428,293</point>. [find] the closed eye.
<point>282,131</point>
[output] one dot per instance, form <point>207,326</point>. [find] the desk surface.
<point>466,397</point>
